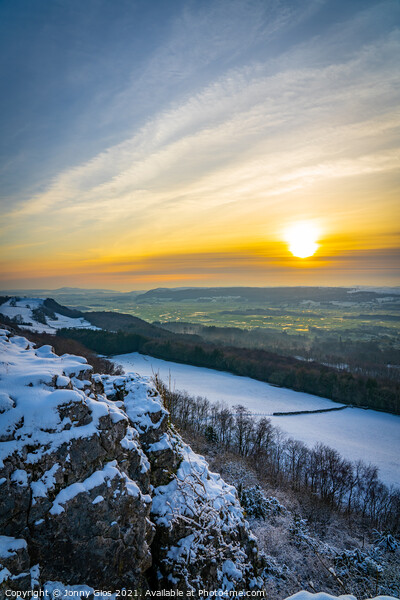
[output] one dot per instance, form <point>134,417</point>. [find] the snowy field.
<point>356,433</point>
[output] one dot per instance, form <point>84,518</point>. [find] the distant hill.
<point>113,321</point>
<point>60,291</point>
<point>48,316</point>
<point>273,294</point>
<point>41,315</point>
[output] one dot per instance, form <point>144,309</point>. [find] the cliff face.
<point>96,488</point>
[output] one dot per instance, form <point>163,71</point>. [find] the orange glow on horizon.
<point>260,265</point>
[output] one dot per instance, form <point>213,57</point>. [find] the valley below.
<point>356,433</point>
<point>302,492</point>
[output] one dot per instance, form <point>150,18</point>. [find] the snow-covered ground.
<point>22,308</point>
<point>356,433</point>
<point>259,397</point>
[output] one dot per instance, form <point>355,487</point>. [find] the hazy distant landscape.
<point>339,343</point>
<point>355,328</point>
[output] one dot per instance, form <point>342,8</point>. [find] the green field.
<point>346,321</point>
<point>370,320</point>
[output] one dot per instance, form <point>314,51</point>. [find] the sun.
<point>302,239</point>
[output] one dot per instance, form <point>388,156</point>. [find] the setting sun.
<point>302,240</point>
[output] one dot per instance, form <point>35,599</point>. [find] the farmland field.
<point>354,432</point>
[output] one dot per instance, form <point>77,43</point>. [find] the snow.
<point>163,444</point>
<point>33,419</point>
<point>10,545</point>
<point>42,486</point>
<point>5,402</point>
<point>129,442</point>
<point>20,477</point>
<point>33,426</point>
<point>368,435</point>
<point>32,422</point>
<point>96,479</point>
<point>23,309</point>
<point>198,500</point>
<point>62,381</point>
<point>204,511</point>
<point>194,480</point>
<point>183,549</point>
<point>376,290</point>
<point>98,499</point>
<point>229,568</point>
<point>35,574</point>
<point>140,401</point>
<point>221,386</point>
<point>4,575</point>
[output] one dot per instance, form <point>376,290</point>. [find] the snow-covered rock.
<point>14,563</point>
<point>202,540</point>
<point>60,450</point>
<point>96,489</point>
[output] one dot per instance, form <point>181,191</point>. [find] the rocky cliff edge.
<point>97,489</point>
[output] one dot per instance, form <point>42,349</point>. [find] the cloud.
<point>239,118</point>
<point>261,142</point>
<point>359,267</point>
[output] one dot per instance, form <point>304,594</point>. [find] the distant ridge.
<point>61,290</point>
<point>257,294</point>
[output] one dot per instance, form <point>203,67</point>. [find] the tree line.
<point>285,371</point>
<point>352,487</point>
<point>330,346</point>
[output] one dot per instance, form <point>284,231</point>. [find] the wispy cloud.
<point>237,153</point>
<point>294,118</point>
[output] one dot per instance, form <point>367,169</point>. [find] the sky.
<point>164,143</point>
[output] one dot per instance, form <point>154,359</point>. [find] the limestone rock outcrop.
<point>97,488</point>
